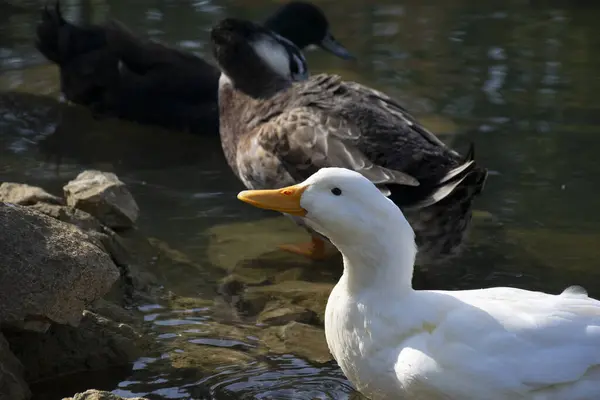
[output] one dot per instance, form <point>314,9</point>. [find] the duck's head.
<point>305,24</point>
<point>254,58</point>
<point>342,205</point>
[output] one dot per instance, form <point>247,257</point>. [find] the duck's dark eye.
<point>336,191</point>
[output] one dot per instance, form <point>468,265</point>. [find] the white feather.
<point>274,54</point>
<point>224,80</point>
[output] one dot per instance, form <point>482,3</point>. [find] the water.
<point>518,78</point>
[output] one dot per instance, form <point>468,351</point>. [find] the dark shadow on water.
<point>66,386</point>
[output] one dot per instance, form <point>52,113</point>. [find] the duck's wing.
<point>391,106</point>
<point>387,127</point>
<point>305,139</point>
<point>507,340</point>
<point>142,55</point>
<point>382,130</point>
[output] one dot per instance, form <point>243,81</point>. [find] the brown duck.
<point>277,130</point>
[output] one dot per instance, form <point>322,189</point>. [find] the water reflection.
<point>518,78</point>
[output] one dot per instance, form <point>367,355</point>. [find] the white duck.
<point>392,341</point>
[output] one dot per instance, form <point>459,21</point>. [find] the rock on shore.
<point>64,279</point>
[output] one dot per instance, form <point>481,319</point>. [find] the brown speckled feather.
<point>306,139</point>
<point>325,121</point>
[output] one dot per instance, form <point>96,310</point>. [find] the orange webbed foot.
<point>315,249</point>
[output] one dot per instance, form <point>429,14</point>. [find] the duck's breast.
<point>362,346</point>
<point>259,168</point>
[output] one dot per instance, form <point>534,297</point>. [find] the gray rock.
<point>119,246</point>
<point>280,313</point>
<point>100,395</point>
<point>308,295</point>
<point>25,195</point>
<point>97,343</point>
<point>49,271</point>
<point>12,384</point>
<point>113,311</point>
<point>105,197</point>
<point>70,215</point>
<point>304,340</point>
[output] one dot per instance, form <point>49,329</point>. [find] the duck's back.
<point>515,343</point>
<point>497,344</point>
<point>165,70</point>
<point>363,118</point>
<point>325,121</point>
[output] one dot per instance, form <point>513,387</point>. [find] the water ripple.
<point>283,377</point>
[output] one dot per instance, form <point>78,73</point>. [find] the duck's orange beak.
<point>285,200</point>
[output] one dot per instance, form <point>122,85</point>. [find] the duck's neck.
<point>237,112</point>
<point>260,85</point>
<point>383,261</point>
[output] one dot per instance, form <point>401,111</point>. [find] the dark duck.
<point>110,70</point>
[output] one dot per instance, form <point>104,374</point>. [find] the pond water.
<point>520,79</point>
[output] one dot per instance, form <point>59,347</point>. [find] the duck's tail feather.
<point>60,41</point>
<point>440,211</point>
<point>467,173</point>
